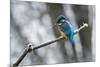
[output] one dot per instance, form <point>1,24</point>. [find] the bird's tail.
<point>71,38</point>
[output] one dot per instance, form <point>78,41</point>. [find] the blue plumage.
<point>66,27</point>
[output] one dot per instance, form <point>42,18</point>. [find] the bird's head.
<point>61,19</point>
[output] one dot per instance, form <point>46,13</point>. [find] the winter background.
<point>32,21</point>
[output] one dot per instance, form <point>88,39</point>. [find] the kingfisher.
<point>65,28</point>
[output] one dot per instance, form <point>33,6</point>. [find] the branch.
<point>30,47</point>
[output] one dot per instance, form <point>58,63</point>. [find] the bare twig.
<point>30,47</point>
<point>27,50</point>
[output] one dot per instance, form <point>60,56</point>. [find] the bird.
<point>65,28</point>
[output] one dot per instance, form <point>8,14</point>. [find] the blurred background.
<point>33,22</point>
